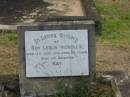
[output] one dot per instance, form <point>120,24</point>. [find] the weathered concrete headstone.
<point>55,56</point>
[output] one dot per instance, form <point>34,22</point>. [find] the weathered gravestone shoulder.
<point>56,57</point>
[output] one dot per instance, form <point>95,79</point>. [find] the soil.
<point>8,59</point>
<point>69,8</point>
<point>14,11</point>
<point>28,11</point>
<point>112,58</point>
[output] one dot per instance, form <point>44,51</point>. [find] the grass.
<point>8,52</point>
<point>8,38</point>
<point>115,17</point>
<point>101,90</point>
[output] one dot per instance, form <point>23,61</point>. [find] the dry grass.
<point>8,50</point>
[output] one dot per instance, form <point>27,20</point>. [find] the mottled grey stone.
<point>51,86</point>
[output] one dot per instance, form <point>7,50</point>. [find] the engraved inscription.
<point>56,53</point>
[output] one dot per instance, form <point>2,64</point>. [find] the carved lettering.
<point>56,53</point>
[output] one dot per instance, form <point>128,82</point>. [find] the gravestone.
<point>56,56</point>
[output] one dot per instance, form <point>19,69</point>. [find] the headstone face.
<point>56,54</point>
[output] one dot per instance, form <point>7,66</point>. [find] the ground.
<point>113,42</point>
<point>112,58</point>
<point>8,53</point>
<point>7,59</point>
<point>17,11</point>
<point>115,16</point>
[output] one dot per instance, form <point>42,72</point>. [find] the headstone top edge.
<point>56,23</point>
